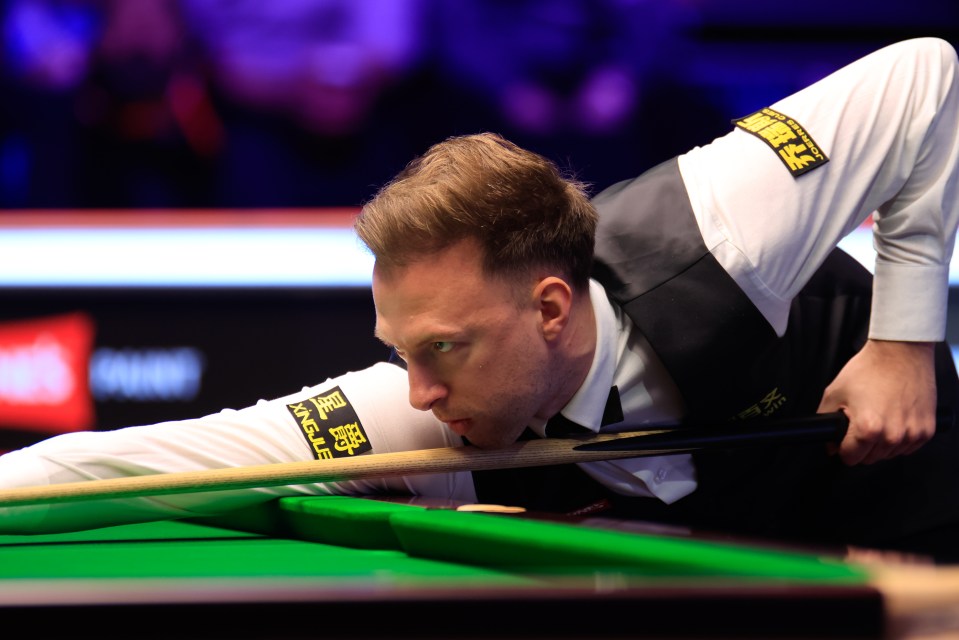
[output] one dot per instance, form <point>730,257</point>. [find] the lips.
<point>459,427</point>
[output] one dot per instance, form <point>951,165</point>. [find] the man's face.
<point>475,354</point>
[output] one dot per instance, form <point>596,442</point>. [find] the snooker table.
<point>343,567</point>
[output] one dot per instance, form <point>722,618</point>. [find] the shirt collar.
<point>587,404</point>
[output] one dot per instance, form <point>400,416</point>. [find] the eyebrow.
<point>451,336</point>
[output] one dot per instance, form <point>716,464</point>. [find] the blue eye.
<point>442,347</point>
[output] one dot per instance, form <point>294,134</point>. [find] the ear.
<point>554,298</point>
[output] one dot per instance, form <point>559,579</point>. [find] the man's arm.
<point>381,420</point>
<point>889,124</point>
<point>888,392</point>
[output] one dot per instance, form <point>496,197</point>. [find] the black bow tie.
<point>560,427</point>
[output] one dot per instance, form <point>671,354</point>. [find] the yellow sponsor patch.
<point>330,425</point>
<point>790,140</point>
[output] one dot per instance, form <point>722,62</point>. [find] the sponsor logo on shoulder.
<point>787,138</point>
<point>330,425</point>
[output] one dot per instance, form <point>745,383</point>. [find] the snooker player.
<point>709,287</point>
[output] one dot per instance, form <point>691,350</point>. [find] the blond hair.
<point>516,204</point>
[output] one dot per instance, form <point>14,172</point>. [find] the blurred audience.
<point>44,58</point>
<point>595,83</point>
<point>321,63</point>
<point>149,132</point>
<point>111,97</point>
<point>245,103</point>
<point>314,95</point>
<point>312,103</point>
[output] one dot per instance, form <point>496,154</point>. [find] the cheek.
<point>520,362</point>
<point>511,363</point>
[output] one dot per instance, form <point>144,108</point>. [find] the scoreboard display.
<point>107,358</point>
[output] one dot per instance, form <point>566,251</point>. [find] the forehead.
<point>441,294</point>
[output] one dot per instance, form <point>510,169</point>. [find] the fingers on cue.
<point>871,441</point>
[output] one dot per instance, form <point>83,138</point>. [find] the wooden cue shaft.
<point>530,453</point>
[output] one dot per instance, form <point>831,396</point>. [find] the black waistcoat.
<point>729,364</point>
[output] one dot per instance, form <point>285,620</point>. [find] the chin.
<point>494,441</point>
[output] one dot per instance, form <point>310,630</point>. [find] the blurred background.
<point>177,176</point>
<point>314,103</point>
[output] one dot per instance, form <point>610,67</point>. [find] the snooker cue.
<point>526,453</point>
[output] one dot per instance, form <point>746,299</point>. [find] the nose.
<point>425,389</point>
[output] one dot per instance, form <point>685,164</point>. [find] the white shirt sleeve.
<point>888,124</point>
<point>264,433</point>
